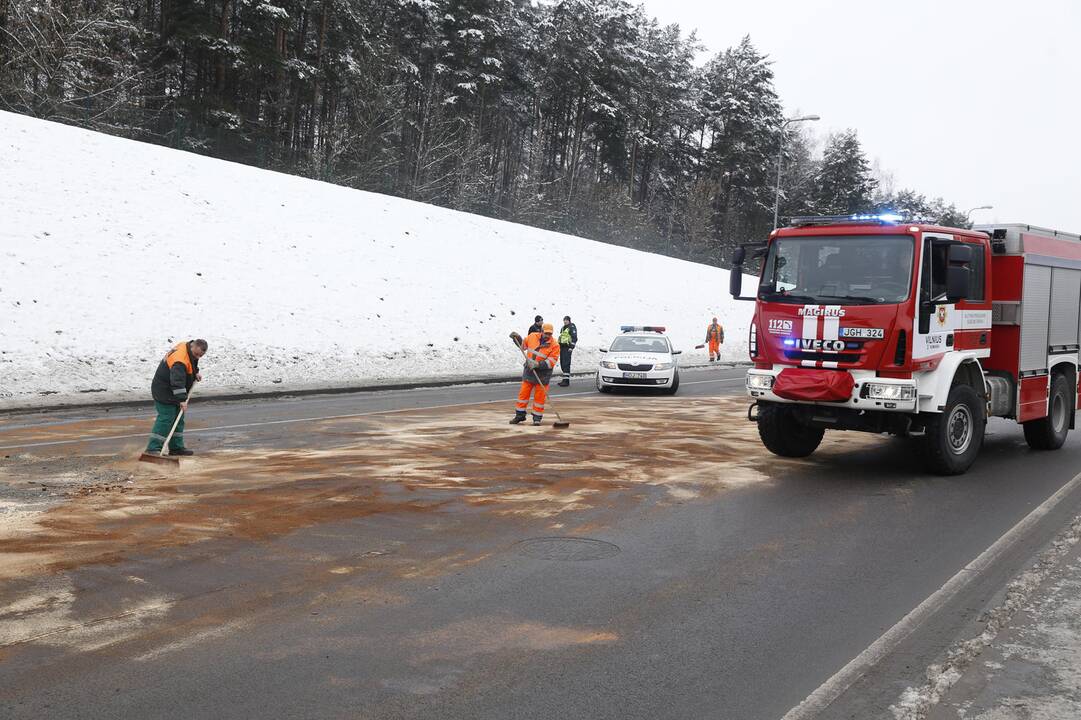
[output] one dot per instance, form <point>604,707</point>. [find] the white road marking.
<point>844,678</point>
<point>287,421</point>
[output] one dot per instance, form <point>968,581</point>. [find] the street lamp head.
<point>801,118</point>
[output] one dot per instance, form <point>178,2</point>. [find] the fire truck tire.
<point>783,434</point>
<point>953,438</point>
<point>1049,433</point>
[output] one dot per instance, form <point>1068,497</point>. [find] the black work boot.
<point>565,382</point>
<point>181,451</point>
<point>536,419</point>
<point>519,417</point>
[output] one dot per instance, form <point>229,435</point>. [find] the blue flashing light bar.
<point>856,219</point>
<point>641,328</point>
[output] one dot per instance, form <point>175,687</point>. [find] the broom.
<point>560,423</point>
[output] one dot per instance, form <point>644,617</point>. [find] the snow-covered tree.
<point>845,183</point>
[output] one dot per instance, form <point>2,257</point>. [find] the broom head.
<point>160,459</point>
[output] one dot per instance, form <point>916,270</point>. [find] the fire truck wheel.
<point>783,434</point>
<point>1049,433</point>
<point>953,437</point>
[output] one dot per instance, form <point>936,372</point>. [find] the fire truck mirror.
<point>739,255</point>
<point>960,254</point>
<point>957,281</point>
<point>735,280</point>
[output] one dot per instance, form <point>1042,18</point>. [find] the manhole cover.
<point>566,548</point>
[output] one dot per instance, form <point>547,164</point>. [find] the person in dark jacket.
<point>177,372</point>
<point>538,324</point>
<point>568,338</point>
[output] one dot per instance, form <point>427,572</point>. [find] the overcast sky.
<point>977,102</point>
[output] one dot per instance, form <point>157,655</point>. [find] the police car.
<point>640,356</point>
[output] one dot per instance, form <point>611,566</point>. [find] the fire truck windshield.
<point>838,270</point>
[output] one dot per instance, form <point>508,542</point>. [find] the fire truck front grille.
<point>822,357</point>
<point>635,368</point>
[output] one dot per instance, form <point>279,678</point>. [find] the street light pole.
<point>981,207</point>
<point>780,156</point>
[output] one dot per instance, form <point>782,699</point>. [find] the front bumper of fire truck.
<point>868,392</point>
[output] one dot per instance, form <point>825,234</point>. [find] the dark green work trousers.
<point>162,425</point>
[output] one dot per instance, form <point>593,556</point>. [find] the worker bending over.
<point>542,353</point>
<point>176,373</point>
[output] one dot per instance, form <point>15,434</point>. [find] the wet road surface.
<point>408,554</point>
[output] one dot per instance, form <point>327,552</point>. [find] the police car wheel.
<point>674,387</point>
<point>953,438</point>
<point>601,387</point>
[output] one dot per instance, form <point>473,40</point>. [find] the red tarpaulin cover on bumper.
<point>813,384</point>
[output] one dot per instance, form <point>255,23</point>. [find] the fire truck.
<point>871,323</point>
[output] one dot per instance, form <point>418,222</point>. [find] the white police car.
<point>641,356</point>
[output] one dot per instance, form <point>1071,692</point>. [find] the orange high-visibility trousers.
<point>539,393</point>
<point>714,348</point>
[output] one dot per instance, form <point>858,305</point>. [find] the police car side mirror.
<point>604,349</point>
<point>677,352</point>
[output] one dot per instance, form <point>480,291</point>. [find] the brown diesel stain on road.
<point>461,460</point>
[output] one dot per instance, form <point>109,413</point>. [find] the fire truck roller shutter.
<point>1035,318</point>
<point>1065,306</point>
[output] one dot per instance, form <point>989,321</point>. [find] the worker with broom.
<point>714,337</point>
<point>176,374</point>
<point>541,353</point>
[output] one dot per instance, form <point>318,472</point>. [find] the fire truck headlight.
<point>759,382</point>
<point>882,391</point>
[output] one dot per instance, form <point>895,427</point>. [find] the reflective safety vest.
<point>546,355</point>
<point>180,354</point>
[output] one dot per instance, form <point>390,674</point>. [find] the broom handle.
<point>165,445</point>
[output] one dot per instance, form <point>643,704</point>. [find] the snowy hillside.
<point>111,250</point>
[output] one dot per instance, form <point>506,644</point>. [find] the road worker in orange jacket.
<point>542,354</point>
<point>714,337</point>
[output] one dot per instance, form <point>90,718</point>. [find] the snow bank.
<point>112,250</point>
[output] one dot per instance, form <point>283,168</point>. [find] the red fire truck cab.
<point>870,323</point>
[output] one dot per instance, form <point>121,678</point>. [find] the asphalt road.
<point>735,604</point>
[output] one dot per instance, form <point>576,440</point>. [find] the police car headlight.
<point>881,391</point>
<point>759,382</point>
<point>663,366</point>
<point>608,364</point>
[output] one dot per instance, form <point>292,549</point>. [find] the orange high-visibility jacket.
<point>546,354</point>
<point>175,375</point>
<point>715,333</point>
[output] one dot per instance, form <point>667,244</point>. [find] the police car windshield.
<point>627,343</point>
<point>842,270</point>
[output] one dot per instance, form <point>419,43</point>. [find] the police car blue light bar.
<point>641,328</point>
